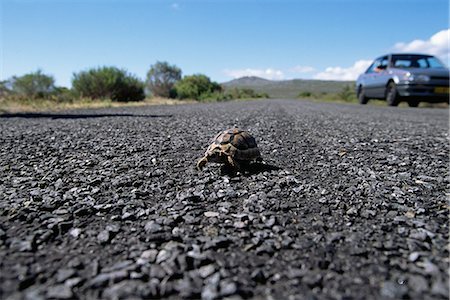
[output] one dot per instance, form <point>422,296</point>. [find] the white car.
<point>410,77</point>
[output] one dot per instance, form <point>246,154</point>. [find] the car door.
<point>381,77</point>
<point>370,79</point>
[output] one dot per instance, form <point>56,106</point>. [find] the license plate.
<point>441,90</point>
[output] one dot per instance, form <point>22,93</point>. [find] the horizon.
<point>224,40</point>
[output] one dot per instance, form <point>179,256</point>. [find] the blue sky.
<point>223,39</point>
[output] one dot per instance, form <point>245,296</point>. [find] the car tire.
<point>392,97</point>
<point>362,96</point>
<point>413,103</point>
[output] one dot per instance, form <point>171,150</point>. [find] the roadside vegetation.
<point>346,94</point>
<point>110,86</point>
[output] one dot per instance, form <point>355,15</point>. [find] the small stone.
<point>209,292</point>
<point>429,267</point>
<point>391,289</point>
<point>440,288</point>
<point>211,214</point>
<point>418,283</point>
<point>312,280</point>
<point>163,255</point>
<point>75,263</point>
<point>121,265</point>
<point>114,228</point>
<point>64,274</point>
<point>239,224</point>
<point>149,255</point>
<point>410,214</point>
<point>156,271</point>
<point>136,275</point>
<point>241,217</point>
<point>75,232</point>
<point>102,279</point>
<point>128,216</point>
<point>418,235</point>
<point>152,227</point>
<point>104,237</point>
<point>352,211</point>
<point>73,282</point>
<point>207,270</point>
<point>227,288</point>
<point>368,213</point>
<point>269,222</point>
<point>60,292</point>
<point>413,256</point>
<point>258,276</point>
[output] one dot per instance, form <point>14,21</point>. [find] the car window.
<point>433,62</point>
<point>372,67</point>
<point>423,63</point>
<point>384,61</point>
<point>415,61</point>
<point>402,63</point>
<point>375,65</point>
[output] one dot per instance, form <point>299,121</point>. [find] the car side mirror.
<point>382,67</point>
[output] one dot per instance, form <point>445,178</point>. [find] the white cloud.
<point>302,69</point>
<point>437,45</point>
<point>269,73</point>
<point>340,73</point>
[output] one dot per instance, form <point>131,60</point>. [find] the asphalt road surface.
<point>350,203</point>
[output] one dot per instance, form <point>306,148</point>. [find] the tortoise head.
<point>217,154</point>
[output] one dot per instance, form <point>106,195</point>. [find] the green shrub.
<point>108,83</point>
<point>198,87</point>
<point>347,94</point>
<point>32,85</point>
<point>305,94</point>
<point>161,79</point>
<point>245,93</point>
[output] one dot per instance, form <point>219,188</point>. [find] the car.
<point>404,77</point>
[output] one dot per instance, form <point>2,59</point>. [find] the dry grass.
<point>39,105</point>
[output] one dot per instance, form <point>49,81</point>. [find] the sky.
<point>223,39</point>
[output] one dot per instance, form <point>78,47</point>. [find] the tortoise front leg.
<point>234,163</point>
<point>201,163</point>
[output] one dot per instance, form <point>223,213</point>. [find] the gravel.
<point>350,202</point>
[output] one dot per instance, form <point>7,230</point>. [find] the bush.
<point>245,93</point>
<point>161,79</point>
<point>32,85</point>
<point>198,87</point>
<point>305,94</point>
<point>347,94</point>
<point>108,82</point>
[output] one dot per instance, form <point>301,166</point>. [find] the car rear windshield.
<point>415,61</point>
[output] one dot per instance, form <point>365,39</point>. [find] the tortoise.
<point>234,147</point>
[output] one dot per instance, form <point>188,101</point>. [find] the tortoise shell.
<point>232,146</point>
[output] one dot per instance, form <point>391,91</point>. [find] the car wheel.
<point>413,103</point>
<point>392,97</point>
<point>362,96</point>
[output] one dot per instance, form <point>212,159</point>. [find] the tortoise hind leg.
<point>201,163</point>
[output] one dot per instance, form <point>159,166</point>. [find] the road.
<point>349,202</point>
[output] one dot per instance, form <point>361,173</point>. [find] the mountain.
<point>247,81</point>
<point>287,88</point>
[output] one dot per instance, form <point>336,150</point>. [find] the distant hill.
<point>287,88</point>
<point>248,81</point>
